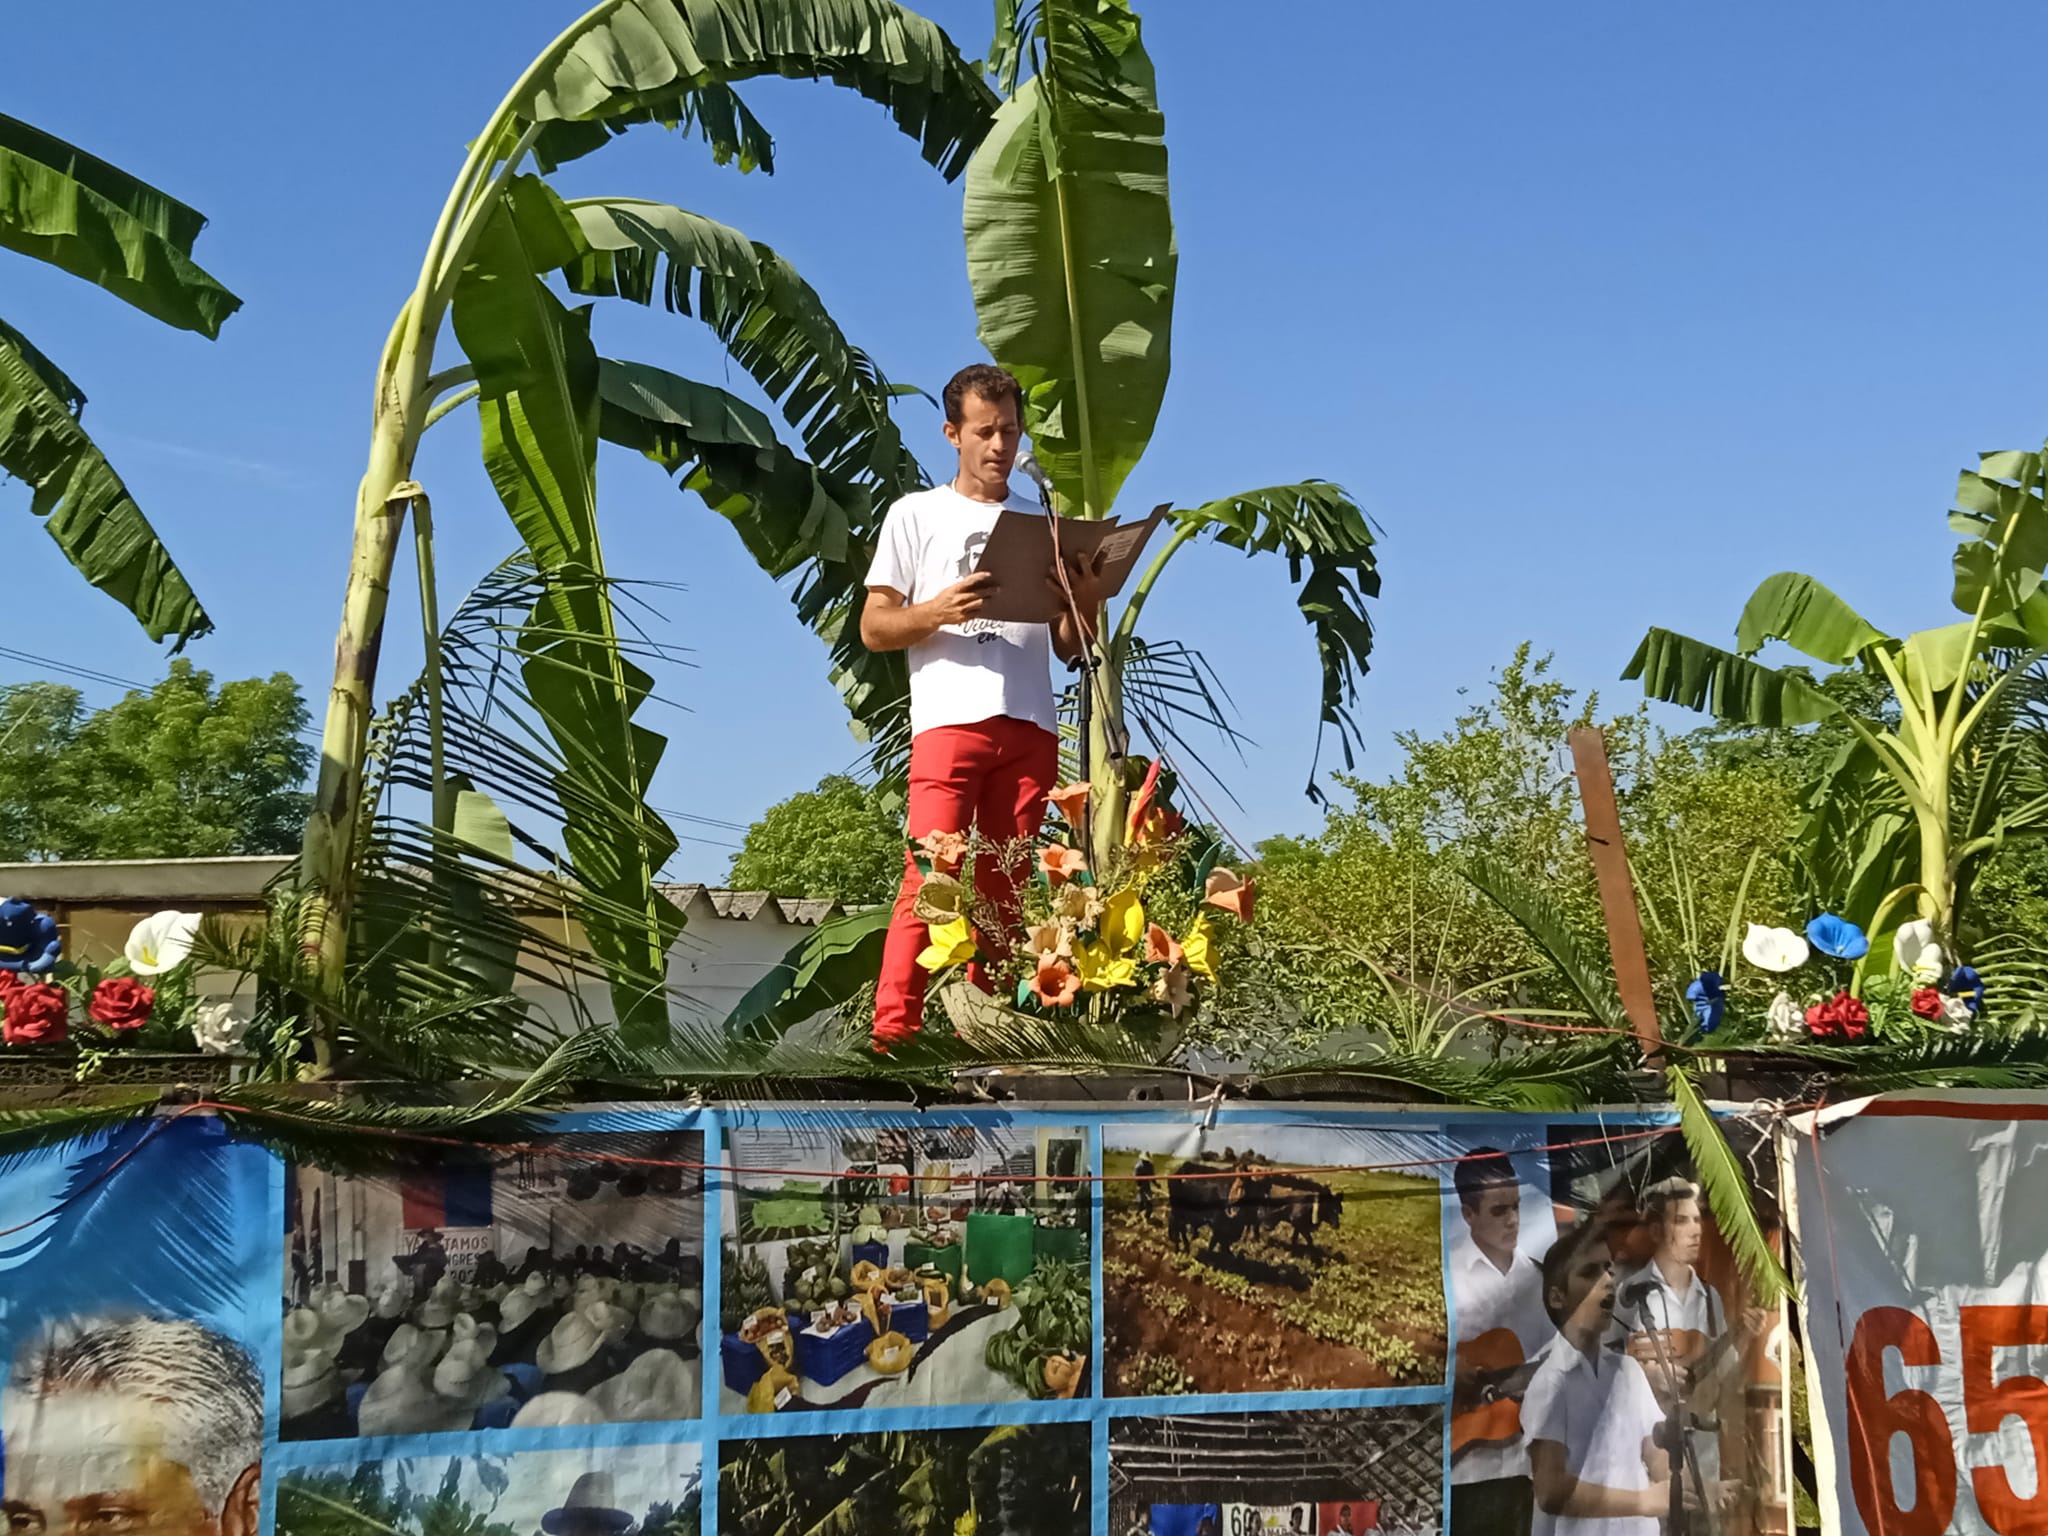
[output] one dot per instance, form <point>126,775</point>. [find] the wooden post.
<point>1617,886</point>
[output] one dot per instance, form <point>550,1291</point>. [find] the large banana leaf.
<point>668,61</point>
<point>790,515</point>
<point>1070,248</point>
<point>2004,521</point>
<point>831,964</point>
<point>83,503</point>
<point>538,379</point>
<point>1313,523</point>
<point>1807,616</point>
<point>1698,676</point>
<point>95,221</point>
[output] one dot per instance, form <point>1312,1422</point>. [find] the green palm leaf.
<point>1070,248</point>
<point>668,61</point>
<point>1698,676</point>
<point>82,502</point>
<point>1540,918</point>
<point>539,404</point>
<point>831,964</point>
<point>1311,524</point>
<point>1726,1184</point>
<point>95,221</point>
<point>791,516</point>
<point>1807,616</point>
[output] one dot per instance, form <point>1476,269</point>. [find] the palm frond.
<point>1726,1184</point>
<point>1541,918</point>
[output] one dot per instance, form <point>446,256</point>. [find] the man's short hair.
<point>983,379</point>
<point>1658,1197</point>
<point>1486,1168</point>
<point>1563,1255</point>
<point>205,1384</point>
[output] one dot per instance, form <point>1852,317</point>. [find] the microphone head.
<point>1029,467</point>
<point>1635,1295</point>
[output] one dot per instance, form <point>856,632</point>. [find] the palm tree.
<point>545,399</point>
<point>60,205</point>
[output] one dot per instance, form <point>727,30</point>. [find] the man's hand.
<point>961,601</point>
<point>1084,578</point>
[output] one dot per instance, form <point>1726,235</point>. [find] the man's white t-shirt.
<point>1601,1411</point>
<point>1487,1301</point>
<point>968,672</point>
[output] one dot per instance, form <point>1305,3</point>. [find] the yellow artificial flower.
<point>1101,969</point>
<point>1123,922</point>
<point>1196,950</point>
<point>952,944</point>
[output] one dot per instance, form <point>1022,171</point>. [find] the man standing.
<point>1497,1292</point>
<point>135,1425</point>
<point>1673,1319</point>
<point>1143,1171</point>
<point>984,749</point>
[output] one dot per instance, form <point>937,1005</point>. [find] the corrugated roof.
<point>748,906</point>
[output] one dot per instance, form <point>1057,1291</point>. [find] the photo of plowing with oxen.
<point>1269,1259</point>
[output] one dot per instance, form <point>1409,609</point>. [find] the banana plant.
<point>545,398</point>
<point>62,206</point>
<point>1072,261</point>
<point>1907,808</point>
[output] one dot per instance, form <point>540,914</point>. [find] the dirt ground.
<point>1361,1308</point>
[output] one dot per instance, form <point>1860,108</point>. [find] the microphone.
<point>1635,1295</point>
<point>1030,468</point>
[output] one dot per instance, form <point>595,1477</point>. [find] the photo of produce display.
<point>945,1265</point>
<point>1256,1263</point>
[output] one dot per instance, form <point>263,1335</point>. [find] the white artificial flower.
<point>1956,1015</point>
<point>1785,1018</point>
<point>1774,949</point>
<point>1918,955</point>
<point>161,942</point>
<point>217,1029</point>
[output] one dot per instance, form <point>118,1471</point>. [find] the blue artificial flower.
<point>1837,936</point>
<point>1969,986</point>
<point>1708,997</point>
<point>28,938</point>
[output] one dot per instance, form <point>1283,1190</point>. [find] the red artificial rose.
<point>1841,1015</point>
<point>9,980</point>
<point>34,1015</point>
<point>121,1002</point>
<point>1927,1002</point>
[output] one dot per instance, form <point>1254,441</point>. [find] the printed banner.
<point>1925,1245</point>
<point>1015,1321</point>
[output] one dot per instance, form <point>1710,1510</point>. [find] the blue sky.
<point>1604,312</point>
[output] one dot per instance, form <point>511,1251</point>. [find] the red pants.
<point>992,776</point>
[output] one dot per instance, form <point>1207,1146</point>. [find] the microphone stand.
<point>1677,1441</point>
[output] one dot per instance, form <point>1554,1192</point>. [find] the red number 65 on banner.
<point>1876,1417</point>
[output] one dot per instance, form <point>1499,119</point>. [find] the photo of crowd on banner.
<point>621,1490</point>
<point>870,1267</point>
<point>1315,1472</point>
<point>558,1285</point>
<point>1611,1376</point>
<point>1270,1258</point>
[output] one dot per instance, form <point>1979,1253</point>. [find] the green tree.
<point>184,770</point>
<point>62,206</point>
<point>505,244</point>
<point>839,840</point>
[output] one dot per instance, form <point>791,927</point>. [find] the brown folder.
<point>1019,555</point>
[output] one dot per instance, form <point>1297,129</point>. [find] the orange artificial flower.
<point>944,849</point>
<point>1161,947</point>
<point>1230,891</point>
<point>1072,802</point>
<point>1054,985</point>
<point>1061,863</point>
<point>1142,802</point>
<point>1158,825</point>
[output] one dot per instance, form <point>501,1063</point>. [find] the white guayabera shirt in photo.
<point>1601,1410</point>
<point>1487,1300</point>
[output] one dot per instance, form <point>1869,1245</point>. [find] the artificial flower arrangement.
<point>1135,945</point>
<point>144,999</point>
<point>1921,993</point>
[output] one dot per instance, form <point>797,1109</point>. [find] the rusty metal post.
<point>1617,886</point>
